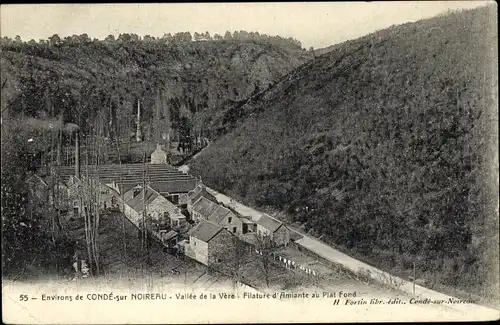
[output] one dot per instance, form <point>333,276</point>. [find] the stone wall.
<point>220,248</point>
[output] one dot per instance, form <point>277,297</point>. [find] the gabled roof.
<point>201,191</point>
<point>205,231</point>
<point>136,202</point>
<point>204,207</point>
<point>268,223</point>
<point>219,214</point>
<point>123,188</point>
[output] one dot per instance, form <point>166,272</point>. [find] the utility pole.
<point>414,278</point>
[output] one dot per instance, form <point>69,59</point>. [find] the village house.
<point>108,197</point>
<point>227,219</point>
<point>204,209</point>
<point>158,209</point>
<point>277,231</point>
<point>176,190</point>
<point>209,244</point>
<point>159,156</point>
<point>194,195</point>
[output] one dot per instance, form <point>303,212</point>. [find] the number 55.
<point>23,297</point>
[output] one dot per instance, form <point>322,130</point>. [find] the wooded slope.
<point>386,146</point>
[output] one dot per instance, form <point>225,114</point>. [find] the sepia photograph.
<point>196,163</point>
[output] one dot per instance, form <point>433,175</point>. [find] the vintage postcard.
<point>196,163</point>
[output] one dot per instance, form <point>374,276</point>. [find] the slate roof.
<point>201,191</point>
<point>204,207</point>
<point>219,214</point>
<point>205,231</point>
<point>126,186</point>
<point>136,202</point>
<point>269,223</point>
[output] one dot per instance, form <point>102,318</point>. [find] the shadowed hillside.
<point>386,146</point>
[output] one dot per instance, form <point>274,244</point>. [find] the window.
<point>113,200</point>
<point>229,219</point>
<point>234,229</point>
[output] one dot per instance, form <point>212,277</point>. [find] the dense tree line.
<point>173,76</point>
<point>385,147</point>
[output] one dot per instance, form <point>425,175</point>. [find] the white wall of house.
<point>132,215</point>
<point>197,250</point>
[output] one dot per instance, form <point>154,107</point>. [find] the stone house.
<point>194,195</point>
<point>204,209</point>
<point>108,197</point>
<point>277,231</point>
<point>161,211</point>
<point>227,219</point>
<point>209,244</point>
<point>175,190</point>
<point>159,156</point>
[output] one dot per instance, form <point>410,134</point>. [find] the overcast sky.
<point>314,24</point>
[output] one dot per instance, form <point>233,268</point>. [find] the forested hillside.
<point>56,83</point>
<point>386,146</point>
<point>99,82</point>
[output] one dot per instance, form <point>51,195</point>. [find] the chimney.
<point>138,134</point>
<point>77,154</point>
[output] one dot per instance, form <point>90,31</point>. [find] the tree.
<point>266,248</point>
<point>197,36</point>
<point>240,257</point>
<point>55,40</point>
<point>167,38</point>
<point>110,38</point>
<point>228,35</point>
